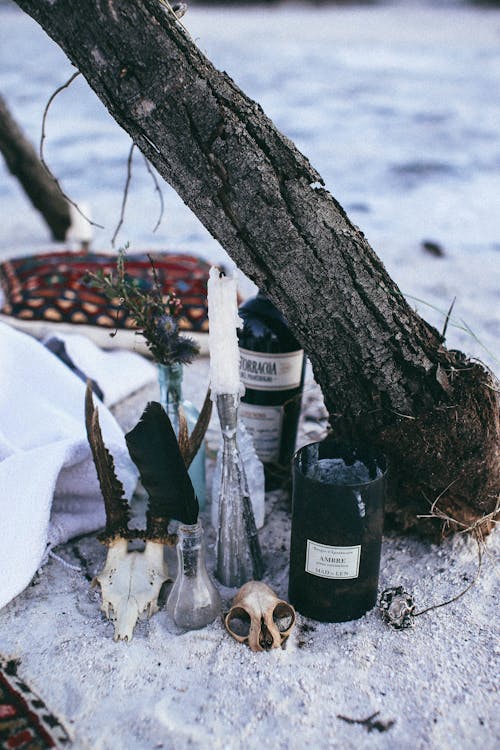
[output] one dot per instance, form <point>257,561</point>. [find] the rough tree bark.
<point>24,163</point>
<point>385,373</point>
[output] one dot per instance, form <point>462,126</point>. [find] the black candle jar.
<point>337,522</point>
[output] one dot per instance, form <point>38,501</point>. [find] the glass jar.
<point>193,601</point>
<point>170,381</point>
<point>337,523</point>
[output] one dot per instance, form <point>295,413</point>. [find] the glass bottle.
<point>239,557</point>
<point>170,381</point>
<point>194,601</point>
<point>272,366</point>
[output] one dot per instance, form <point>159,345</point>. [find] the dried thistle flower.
<point>155,314</point>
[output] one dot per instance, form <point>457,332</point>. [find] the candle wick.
<point>221,273</point>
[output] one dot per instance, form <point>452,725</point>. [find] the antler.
<point>190,444</point>
<point>116,506</point>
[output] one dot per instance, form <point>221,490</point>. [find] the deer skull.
<point>259,618</point>
<point>131,581</point>
<point>130,584</point>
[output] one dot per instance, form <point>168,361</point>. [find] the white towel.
<point>118,373</point>
<point>48,484</point>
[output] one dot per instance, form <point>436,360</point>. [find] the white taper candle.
<point>80,229</point>
<point>223,320</point>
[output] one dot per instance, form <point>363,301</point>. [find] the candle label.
<point>271,372</point>
<point>264,425</point>
<point>332,562</point>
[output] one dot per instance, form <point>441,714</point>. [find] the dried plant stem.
<point>471,584</point>
<point>465,529</point>
<point>42,141</point>
<point>438,498</point>
<point>125,194</point>
<point>157,190</point>
<point>474,529</point>
<point>156,280</point>
<point>447,319</point>
<point>462,325</point>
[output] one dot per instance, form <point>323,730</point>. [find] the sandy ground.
<point>418,88</point>
<point>434,686</point>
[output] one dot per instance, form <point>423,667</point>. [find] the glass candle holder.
<point>193,601</point>
<point>239,557</point>
<point>337,523</point>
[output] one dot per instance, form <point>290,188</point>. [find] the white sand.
<point>201,689</point>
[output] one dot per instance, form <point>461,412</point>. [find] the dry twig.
<point>157,190</point>
<point>42,141</point>
<point>125,194</point>
<point>369,723</point>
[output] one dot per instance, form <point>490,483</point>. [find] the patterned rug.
<point>53,287</point>
<point>25,721</point>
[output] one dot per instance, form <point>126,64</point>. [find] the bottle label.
<point>271,372</point>
<point>264,425</point>
<point>332,562</point>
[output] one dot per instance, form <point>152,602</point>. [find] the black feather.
<point>154,449</point>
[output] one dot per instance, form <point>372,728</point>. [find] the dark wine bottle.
<point>272,367</point>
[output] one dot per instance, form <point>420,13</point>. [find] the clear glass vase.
<point>239,557</point>
<point>170,381</point>
<point>194,601</point>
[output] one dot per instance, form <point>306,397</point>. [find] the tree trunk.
<point>385,373</point>
<point>38,184</point>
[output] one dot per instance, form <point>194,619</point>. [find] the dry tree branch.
<point>42,141</point>
<point>125,194</point>
<point>157,190</point>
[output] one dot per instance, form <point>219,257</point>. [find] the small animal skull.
<point>130,584</point>
<point>259,618</point>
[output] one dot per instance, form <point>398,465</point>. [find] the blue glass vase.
<point>170,380</point>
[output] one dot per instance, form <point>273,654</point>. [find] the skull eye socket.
<point>283,616</point>
<point>238,622</point>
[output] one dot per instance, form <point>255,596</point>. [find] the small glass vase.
<point>170,381</point>
<point>194,601</point>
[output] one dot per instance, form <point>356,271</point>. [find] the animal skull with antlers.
<point>131,581</point>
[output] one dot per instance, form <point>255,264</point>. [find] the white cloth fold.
<point>118,373</point>
<point>48,484</point>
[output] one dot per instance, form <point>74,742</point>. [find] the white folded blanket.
<point>48,484</point>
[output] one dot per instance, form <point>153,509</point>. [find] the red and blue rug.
<point>25,721</point>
